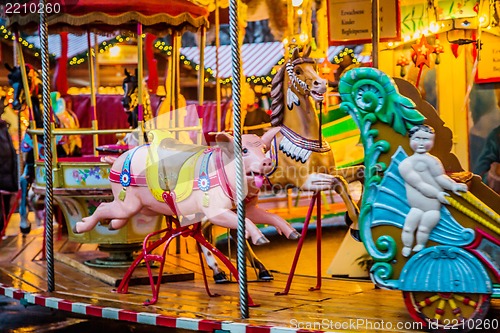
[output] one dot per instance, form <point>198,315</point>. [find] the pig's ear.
<point>269,135</point>
<point>225,142</point>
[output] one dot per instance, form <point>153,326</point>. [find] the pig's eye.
<point>245,151</point>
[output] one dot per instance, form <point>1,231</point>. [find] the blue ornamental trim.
<point>445,269</point>
<point>125,177</point>
<point>204,179</point>
<point>370,96</point>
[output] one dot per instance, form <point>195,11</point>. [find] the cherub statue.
<point>425,182</point>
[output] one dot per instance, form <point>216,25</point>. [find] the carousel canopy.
<point>77,44</point>
<point>258,59</point>
<point>157,16</point>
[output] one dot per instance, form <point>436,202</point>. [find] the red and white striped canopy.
<point>258,59</point>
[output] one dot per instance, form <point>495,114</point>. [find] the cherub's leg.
<point>411,223</point>
<point>428,222</point>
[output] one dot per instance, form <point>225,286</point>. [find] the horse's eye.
<point>245,151</point>
<point>298,71</point>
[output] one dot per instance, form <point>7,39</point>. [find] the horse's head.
<point>130,99</point>
<point>130,83</point>
<point>19,96</point>
<point>16,82</point>
<point>299,78</point>
<point>302,73</point>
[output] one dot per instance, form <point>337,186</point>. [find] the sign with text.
<point>488,66</point>
<point>351,21</point>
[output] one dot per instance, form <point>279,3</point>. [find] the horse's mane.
<point>277,96</point>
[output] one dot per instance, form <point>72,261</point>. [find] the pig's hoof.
<point>262,240</point>
<point>75,231</point>
<point>294,235</point>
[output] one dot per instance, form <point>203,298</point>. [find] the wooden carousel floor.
<point>340,305</point>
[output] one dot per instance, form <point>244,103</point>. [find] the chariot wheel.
<point>440,312</point>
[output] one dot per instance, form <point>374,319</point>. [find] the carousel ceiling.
<point>156,16</point>
<point>259,59</point>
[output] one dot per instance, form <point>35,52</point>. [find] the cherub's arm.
<point>412,178</point>
<point>442,179</point>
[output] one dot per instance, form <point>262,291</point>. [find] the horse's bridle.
<point>294,80</point>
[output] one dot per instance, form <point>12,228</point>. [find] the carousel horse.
<point>153,118</point>
<point>71,144</point>
<point>18,101</point>
<point>302,158</point>
<point>130,104</point>
<point>34,82</point>
<point>64,118</point>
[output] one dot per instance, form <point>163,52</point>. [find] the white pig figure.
<point>208,192</point>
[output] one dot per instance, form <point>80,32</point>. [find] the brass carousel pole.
<point>140,88</point>
<point>176,80</point>
<point>217,77</point>
<point>20,161</point>
<point>375,32</point>
<point>201,77</point>
<point>27,94</point>
<point>47,138</point>
<point>93,111</point>
<point>240,196</point>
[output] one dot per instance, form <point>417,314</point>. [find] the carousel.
<point>138,214</point>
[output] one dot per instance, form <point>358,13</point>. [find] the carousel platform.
<point>340,305</point>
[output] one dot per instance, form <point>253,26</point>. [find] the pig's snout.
<point>263,166</point>
<point>266,165</point>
